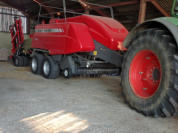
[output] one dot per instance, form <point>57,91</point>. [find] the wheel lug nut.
<point>144,88</point>
<point>140,72</point>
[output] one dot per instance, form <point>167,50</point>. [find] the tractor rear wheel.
<point>50,69</point>
<point>149,78</point>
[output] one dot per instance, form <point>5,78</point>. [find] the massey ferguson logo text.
<point>59,30</point>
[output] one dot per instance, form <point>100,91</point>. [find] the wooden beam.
<point>45,7</point>
<point>157,5</point>
<point>99,11</point>
<point>117,4</point>
<point>86,6</point>
<point>142,12</point>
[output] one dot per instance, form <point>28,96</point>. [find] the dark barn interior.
<point>128,12</point>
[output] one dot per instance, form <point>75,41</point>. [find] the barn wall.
<point>5,45</point>
<point>5,40</point>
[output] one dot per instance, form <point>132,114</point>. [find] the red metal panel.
<point>64,38</point>
<point>78,33</point>
<point>107,31</point>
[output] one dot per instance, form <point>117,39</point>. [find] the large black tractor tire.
<point>149,78</point>
<point>18,61</point>
<point>50,68</point>
<point>36,63</point>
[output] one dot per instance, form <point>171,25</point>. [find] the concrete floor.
<point>32,104</point>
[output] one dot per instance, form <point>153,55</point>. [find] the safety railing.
<point>64,11</point>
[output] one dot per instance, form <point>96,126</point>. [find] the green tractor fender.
<point>166,23</point>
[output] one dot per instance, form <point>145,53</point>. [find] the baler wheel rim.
<point>67,73</point>
<point>34,64</point>
<point>46,68</point>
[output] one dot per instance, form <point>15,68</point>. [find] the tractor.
<point>146,58</point>
<point>150,66</point>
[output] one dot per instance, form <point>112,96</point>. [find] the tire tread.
<point>169,102</point>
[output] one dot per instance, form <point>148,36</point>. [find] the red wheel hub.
<point>145,74</point>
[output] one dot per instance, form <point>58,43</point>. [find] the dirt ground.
<point>31,104</point>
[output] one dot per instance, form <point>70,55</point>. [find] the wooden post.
<point>163,11</point>
<point>142,12</point>
<point>85,6</point>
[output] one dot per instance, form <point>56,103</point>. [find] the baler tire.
<point>53,68</point>
<point>164,101</point>
<point>39,60</point>
<point>25,61</point>
<point>18,61</point>
<point>69,73</point>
